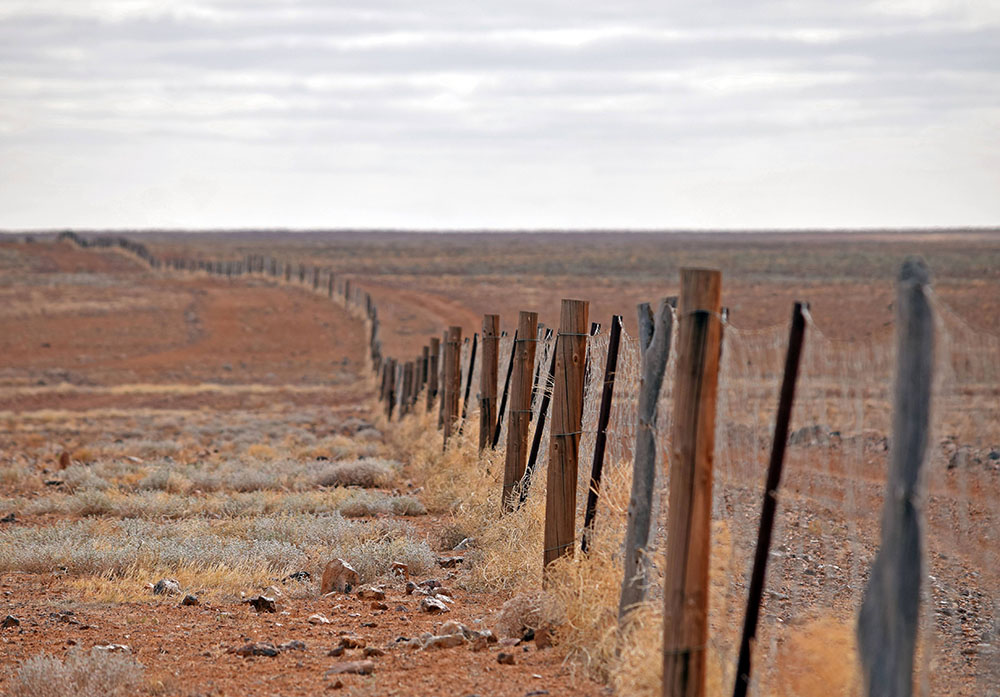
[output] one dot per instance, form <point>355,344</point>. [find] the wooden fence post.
<point>654,345</point>
<point>424,359</point>
<point>685,617</point>
<point>889,617</point>
<point>452,379</point>
<point>390,392</point>
<point>601,438</point>
<point>434,357</point>
<point>770,504</point>
<point>442,372</point>
<point>488,380</point>
<point>404,402</point>
<point>564,435</point>
<point>520,405</point>
<point>468,379</point>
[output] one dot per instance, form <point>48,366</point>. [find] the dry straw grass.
<point>95,673</point>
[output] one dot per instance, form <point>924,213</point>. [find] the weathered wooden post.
<point>434,357</point>
<point>520,405</point>
<point>488,380</point>
<point>601,438</point>
<point>404,403</point>
<point>452,379</point>
<point>442,373</point>
<point>889,617</point>
<point>329,286</point>
<point>390,369</point>
<point>770,505</point>
<point>654,343</point>
<point>564,436</point>
<point>685,620</point>
<point>468,379</point>
<point>424,366</point>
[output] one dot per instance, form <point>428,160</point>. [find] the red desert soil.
<point>89,331</point>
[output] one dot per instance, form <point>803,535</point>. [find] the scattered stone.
<point>410,587</point>
<point>113,648</point>
<point>371,593</point>
<point>369,624</point>
<point>373,652</point>
<point>430,584</point>
<point>447,641</point>
<point>336,684</point>
<point>478,644</point>
<point>190,599</point>
<point>336,651</point>
<point>10,621</point>
<point>450,562</point>
<point>444,598</point>
<point>54,482</point>
<point>510,641</point>
<point>318,619</point>
<point>506,659</point>
<point>464,544</point>
<point>453,627</point>
<point>9,518</point>
<point>354,667</point>
<point>300,576</point>
<point>352,642</point>
<point>262,603</point>
<point>339,576</point>
<point>536,693</point>
<point>272,592</point>
<point>257,649</point>
<point>400,569</point>
<point>433,606</point>
<point>293,645</point>
<point>166,586</point>
<point>529,634</point>
<point>379,606</point>
<point>543,638</point>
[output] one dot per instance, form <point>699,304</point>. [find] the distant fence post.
<point>424,366</point>
<point>601,438</point>
<point>434,357</point>
<point>442,376</point>
<point>452,379</point>
<point>468,378</point>
<point>889,617</point>
<point>685,618</point>
<point>520,404</point>
<point>654,345</point>
<point>390,392</point>
<point>404,402</point>
<point>488,375</point>
<point>564,435</point>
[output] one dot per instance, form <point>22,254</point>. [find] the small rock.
<point>444,642</point>
<point>529,634</point>
<point>262,603</point>
<point>339,576</point>
<point>318,619</point>
<point>166,586</point>
<point>113,648</point>
<point>430,584</point>
<point>410,587</point>
<point>336,684</point>
<point>190,599</point>
<point>272,592</point>
<point>450,562</point>
<point>543,638</point>
<point>300,576</point>
<point>257,649</point>
<point>464,544</point>
<point>371,593</point>
<point>373,652</point>
<point>478,644</point>
<point>506,659</point>
<point>355,667</point>
<point>336,651</point>
<point>352,642</point>
<point>10,621</point>
<point>510,641</point>
<point>379,606</point>
<point>400,569</point>
<point>433,606</point>
<point>452,627</point>
<point>293,645</point>
<point>9,518</point>
<point>369,624</point>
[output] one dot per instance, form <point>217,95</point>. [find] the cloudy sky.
<point>499,113</point>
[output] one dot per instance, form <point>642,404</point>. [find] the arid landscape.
<point>224,434</point>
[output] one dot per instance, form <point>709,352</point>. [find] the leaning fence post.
<point>887,622</point>
<point>768,508</point>
<point>390,392</point>
<point>488,379</point>
<point>506,391</point>
<point>601,438</point>
<point>434,357</point>
<point>685,617</point>
<point>468,379</point>
<point>654,345</point>
<point>452,379</point>
<point>520,405</point>
<point>565,431</point>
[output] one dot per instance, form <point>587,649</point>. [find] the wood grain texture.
<point>434,358</point>
<point>488,376</point>
<point>452,379</point>
<point>519,414</point>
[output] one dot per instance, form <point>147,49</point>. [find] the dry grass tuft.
<point>83,674</point>
<point>528,611</point>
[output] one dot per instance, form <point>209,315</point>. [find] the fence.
<point>831,517</point>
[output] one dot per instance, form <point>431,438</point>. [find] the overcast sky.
<point>499,114</point>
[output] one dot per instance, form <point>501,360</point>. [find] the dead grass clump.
<point>366,473</point>
<point>95,673</point>
<point>78,477</point>
<point>166,479</point>
<point>533,610</point>
<point>262,451</point>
